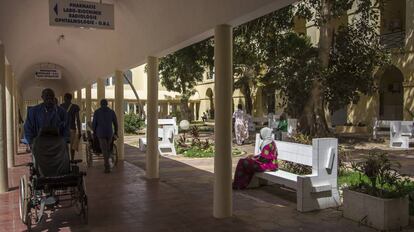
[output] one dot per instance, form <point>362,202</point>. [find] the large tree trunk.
<point>248,100</point>
<point>313,120</point>
<point>185,110</point>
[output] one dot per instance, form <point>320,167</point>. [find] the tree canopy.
<point>181,70</point>
<point>309,77</point>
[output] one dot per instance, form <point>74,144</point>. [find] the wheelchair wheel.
<point>114,157</point>
<point>84,209</point>
<point>24,203</point>
<point>83,202</point>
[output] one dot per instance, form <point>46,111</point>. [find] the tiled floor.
<point>180,201</point>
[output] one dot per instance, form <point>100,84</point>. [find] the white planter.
<point>382,214</point>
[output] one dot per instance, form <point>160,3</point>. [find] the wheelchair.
<point>93,150</point>
<point>55,181</point>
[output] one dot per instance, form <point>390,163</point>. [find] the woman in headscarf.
<point>266,160</point>
<point>240,125</point>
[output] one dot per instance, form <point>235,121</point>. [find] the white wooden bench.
<point>167,130</point>
<point>318,190</point>
<point>400,132</point>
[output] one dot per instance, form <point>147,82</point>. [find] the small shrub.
<point>298,169</point>
<point>132,123</point>
<point>196,136</point>
<point>379,177</point>
<point>343,159</point>
<point>181,141</point>
<point>302,139</point>
<point>197,152</point>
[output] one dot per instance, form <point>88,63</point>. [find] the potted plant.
<point>380,197</point>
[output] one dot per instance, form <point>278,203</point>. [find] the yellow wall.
<point>368,106</point>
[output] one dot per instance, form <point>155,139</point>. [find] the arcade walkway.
<point>181,201</point>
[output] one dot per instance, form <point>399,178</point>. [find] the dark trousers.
<point>105,144</point>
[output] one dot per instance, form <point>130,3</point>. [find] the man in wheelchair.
<point>54,178</point>
<point>47,114</point>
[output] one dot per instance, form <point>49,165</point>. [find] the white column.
<point>152,162</point>
<point>9,116</point>
<point>16,116</point>
<point>223,89</point>
<point>100,88</point>
<point>119,110</point>
<point>4,182</point>
<point>88,103</point>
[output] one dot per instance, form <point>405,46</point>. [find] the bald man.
<point>46,114</point>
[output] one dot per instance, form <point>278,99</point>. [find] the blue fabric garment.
<point>39,117</point>
<point>103,119</point>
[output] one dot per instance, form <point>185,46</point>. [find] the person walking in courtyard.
<point>281,127</point>
<point>266,160</point>
<point>74,123</point>
<point>103,119</point>
<point>241,127</point>
<point>46,114</point>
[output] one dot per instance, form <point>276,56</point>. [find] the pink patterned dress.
<point>246,167</point>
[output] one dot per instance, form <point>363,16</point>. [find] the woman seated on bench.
<point>265,161</point>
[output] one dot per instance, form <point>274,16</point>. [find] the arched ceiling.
<point>142,28</point>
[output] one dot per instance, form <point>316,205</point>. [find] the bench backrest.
<point>163,122</point>
<point>387,123</point>
<point>398,128</point>
<point>322,155</point>
<point>294,152</point>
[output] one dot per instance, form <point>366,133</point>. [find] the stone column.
<point>9,116</point>
<point>223,113</point>
<point>152,162</point>
<point>4,182</point>
<point>16,116</point>
<point>100,88</point>
<point>88,103</point>
<point>119,110</point>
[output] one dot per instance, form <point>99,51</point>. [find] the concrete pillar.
<point>4,182</point>
<point>119,110</point>
<point>100,88</point>
<point>9,116</point>
<point>88,103</point>
<point>152,162</point>
<point>223,113</point>
<point>16,116</point>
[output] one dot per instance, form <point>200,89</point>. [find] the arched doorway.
<point>210,95</point>
<point>391,94</point>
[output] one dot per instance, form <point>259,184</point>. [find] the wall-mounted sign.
<point>81,14</point>
<point>48,74</point>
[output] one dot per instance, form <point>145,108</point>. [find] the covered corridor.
<point>126,201</point>
<point>145,192</point>
<point>137,33</point>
